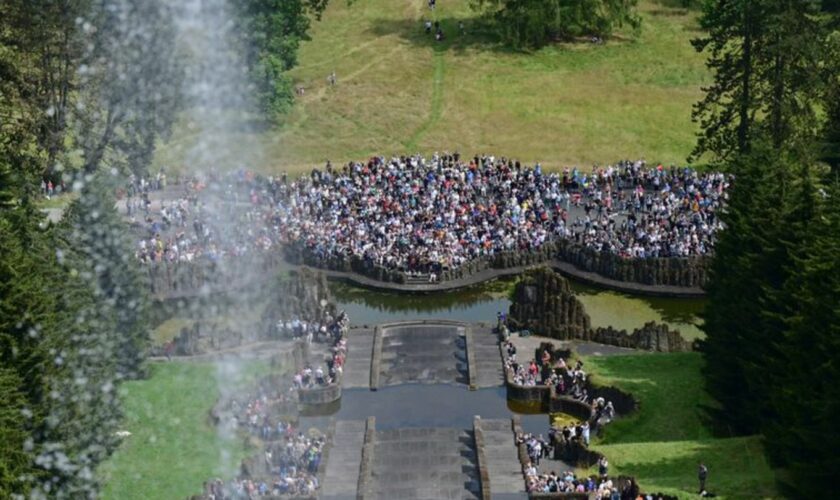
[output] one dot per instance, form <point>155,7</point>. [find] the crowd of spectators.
<point>308,377</point>
<point>549,368</point>
<point>600,486</point>
<point>424,215</point>
<point>418,214</point>
<point>329,329</point>
<point>292,460</point>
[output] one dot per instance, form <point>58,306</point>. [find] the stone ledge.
<point>376,358</point>
<point>320,395</point>
<point>481,458</point>
<point>492,274</point>
<point>469,347</point>
<point>366,465</point>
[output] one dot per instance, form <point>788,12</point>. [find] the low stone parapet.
<point>320,395</point>
<point>481,458</point>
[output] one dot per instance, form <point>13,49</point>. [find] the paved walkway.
<point>502,459</point>
<point>356,371</point>
<point>564,268</point>
<point>490,372</point>
<point>345,456</point>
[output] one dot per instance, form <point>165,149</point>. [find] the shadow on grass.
<point>477,34</point>
<point>678,7</point>
<point>737,466</point>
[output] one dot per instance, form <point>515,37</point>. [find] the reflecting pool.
<point>482,302</point>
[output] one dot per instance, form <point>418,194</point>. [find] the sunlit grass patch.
<point>173,448</point>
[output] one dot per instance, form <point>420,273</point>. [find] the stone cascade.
<point>186,279</point>
<point>500,450</point>
<point>650,337</point>
<point>436,463</point>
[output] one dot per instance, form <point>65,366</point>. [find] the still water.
<point>482,302</point>
<point>408,405</point>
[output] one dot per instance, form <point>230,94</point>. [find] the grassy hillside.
<point>173,448</point>
<point>663,443</point>
<point>400,91</point>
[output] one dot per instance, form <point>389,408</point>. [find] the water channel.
<point>482,302</point>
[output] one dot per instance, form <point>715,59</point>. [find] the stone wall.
<point>304,294</point>
<point>320,395</point>
<point>650,337</point>
<point>680,272</point>
<point>544,303</point>
<point>203,277</point>
<point>683,272</point>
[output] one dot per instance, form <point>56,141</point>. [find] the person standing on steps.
<point>702,473</point>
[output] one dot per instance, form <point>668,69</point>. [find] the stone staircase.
<point>502,460</point>
<point>345,455</point>
<point>488,361</point>
<point>356,372</point>
<point>433,464</point>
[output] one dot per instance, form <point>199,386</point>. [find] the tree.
<point>14,461</point>
<point>130,81</point>
<point>830,135</point>
<point>46,35</point>
<point>535,23</point>
<point>802,440</point>
<point>98,232</point>
<point>748,268</point>
<point>272,31</point>
<point>765,59</point>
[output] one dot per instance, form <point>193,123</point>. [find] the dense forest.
<point>774,298</point>
<point>87,88</point>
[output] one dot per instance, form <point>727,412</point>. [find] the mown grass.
<point>173,448</point>
<point>56,201</point>
<point>663,443</point>
<point>399,91</point>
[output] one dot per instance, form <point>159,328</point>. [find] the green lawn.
<point>399,91</point>
<point>173,448</point>
<point>663,443</point>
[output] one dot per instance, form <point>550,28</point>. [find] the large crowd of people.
<point>293,462</point>
<point>424,215</point>
<point>413,213</point>
<point>291,458</point>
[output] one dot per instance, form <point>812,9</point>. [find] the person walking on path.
<point>702,473</point>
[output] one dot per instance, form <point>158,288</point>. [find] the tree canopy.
<point>535,23</point>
